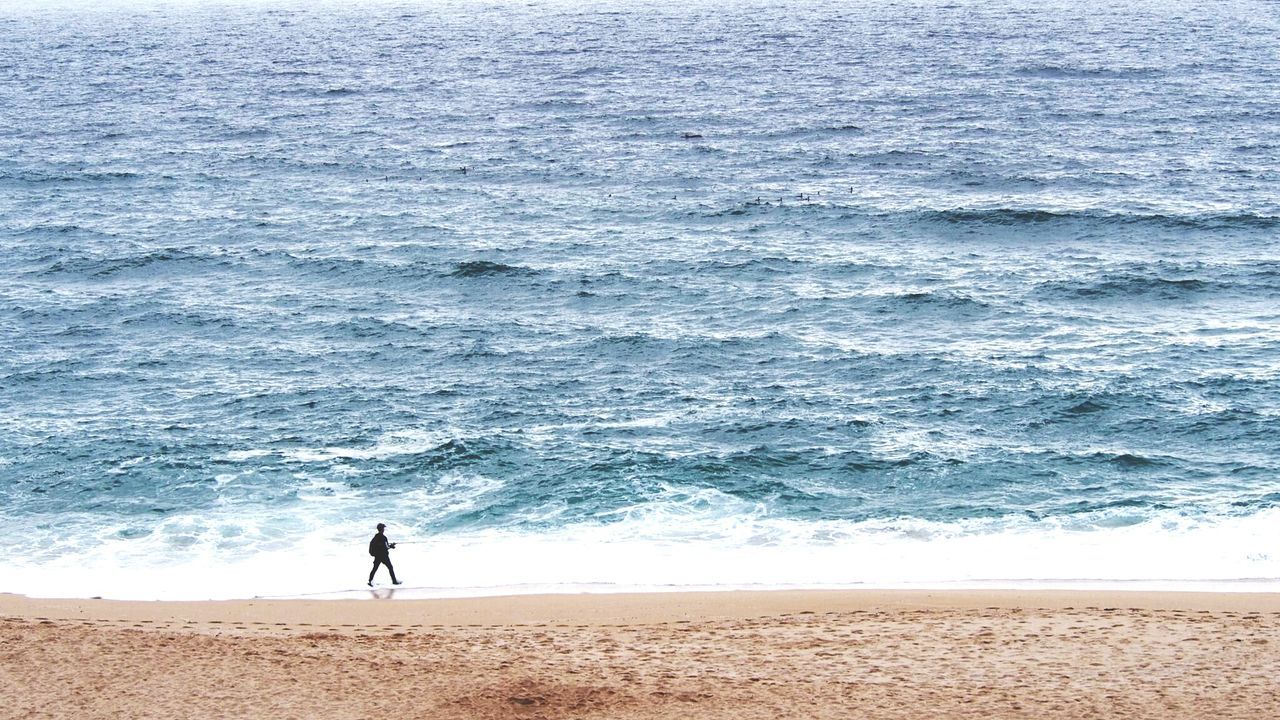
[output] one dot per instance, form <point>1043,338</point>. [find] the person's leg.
<point>376,561</point>
<point>391,570</point>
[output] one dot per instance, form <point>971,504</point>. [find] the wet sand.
<point>810,654</point>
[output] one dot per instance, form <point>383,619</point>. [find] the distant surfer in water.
<point>380,549</point>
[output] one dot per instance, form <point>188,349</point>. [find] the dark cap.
<point>381,526</point>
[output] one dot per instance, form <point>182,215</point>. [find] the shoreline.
<point>608,608</point>
<point>875,654</point>
<point>407,592</point>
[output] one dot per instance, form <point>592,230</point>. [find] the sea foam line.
<point>1167,550</point>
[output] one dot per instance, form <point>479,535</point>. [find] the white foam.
<point>662,546</point>
<point>402,442</point>
<point>456,492</point>
<point>242,455</point>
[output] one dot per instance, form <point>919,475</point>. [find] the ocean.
<point>607,296</point>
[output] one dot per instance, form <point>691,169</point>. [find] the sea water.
<point>635,295</point>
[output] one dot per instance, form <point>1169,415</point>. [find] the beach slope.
<point>863,654</point>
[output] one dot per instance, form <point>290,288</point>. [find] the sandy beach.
<point>839,654</point>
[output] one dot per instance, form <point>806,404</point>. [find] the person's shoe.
<point>370,583</point>
<point>396,582</point>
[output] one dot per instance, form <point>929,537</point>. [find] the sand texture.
<point>718,655</point>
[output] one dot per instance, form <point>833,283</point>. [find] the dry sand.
<point>846,654</point>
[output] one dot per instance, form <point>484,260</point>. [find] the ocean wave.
<point>53,176</point>
<point>1086,407</point>
<point>948,301</point>
<point>1266,272</point>
<point>387,331</point>
<point>1033,216</point>
<point>1132,461</point>
<point>165,321</point>
<point>558,104</point>
<point>487,268</point>
<point>1125,285</point>
<point>896,156</point>
<point>155,263</point>
<point>39,232</point>
<point>769,265</point>
<point>830,205</point>
<point>325,92</point>
<point>294,73</point>
<point>680,349</point>
<point>399,453</point>
<point>1063,72</point>
<point>349,269</point>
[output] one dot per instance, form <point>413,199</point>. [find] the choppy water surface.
<point>618,295</point>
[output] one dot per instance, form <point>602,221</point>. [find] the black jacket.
<point>380,547</point>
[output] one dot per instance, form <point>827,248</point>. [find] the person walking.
<point>380,549</point>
